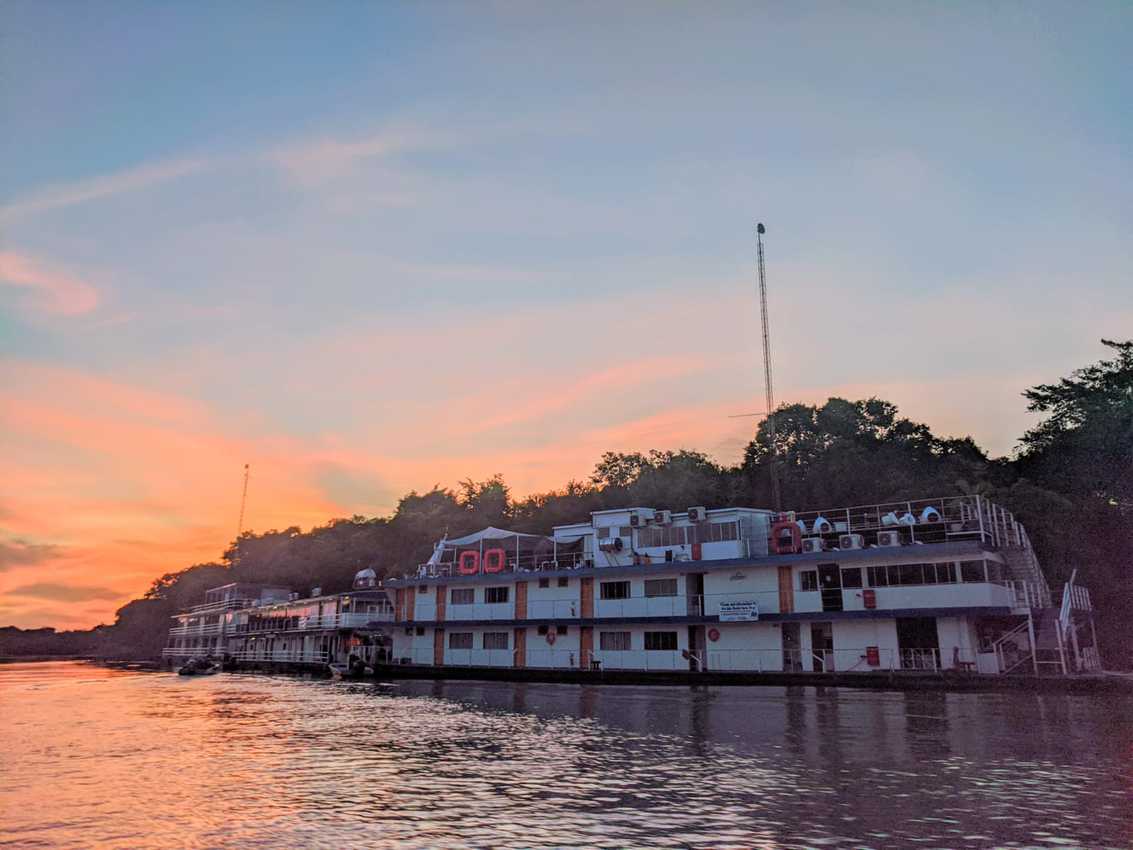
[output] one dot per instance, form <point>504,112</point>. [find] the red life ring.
<point>714,634</point>
<point>495,560</point>
<point>469,562</point>
<point>786,544</point>
<point>550,637</point>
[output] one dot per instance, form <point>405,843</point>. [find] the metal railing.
<point>1027,594</point>
<point>522,563</point>
<point>937,519</point>
<point>225,605</point>
<point>191,652</point>
<point>846,660</point>
<point>201,630</point>
<point>327,621</point>
<point>292,656</point>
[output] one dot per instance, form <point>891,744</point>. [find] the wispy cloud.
<point>102,186</point>
<point>50,290</point>
<point>21,553</point>
<point>65,592</point>
<point>317,161</point>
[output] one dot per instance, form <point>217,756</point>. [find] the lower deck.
<point>961,643</point>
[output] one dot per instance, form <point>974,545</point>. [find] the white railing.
<point>327,621</point>
<point>294,656</point>
<point>1080,598</point>
<point>1014,648</point>
<point>1027,594</point>
<point>553,609</point>
<point>201,630</point>
<point>1091,660</point>
<point>523,563</point>
<point>225,605</point>
<point>937,519</point>
<point>848,660</point>
<point>345,621</point>
<point>191,652</point>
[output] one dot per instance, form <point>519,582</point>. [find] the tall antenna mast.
<point>243,502</point>
<point>768,388</point>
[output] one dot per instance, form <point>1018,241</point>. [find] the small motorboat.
<point>354,670</point>
<point>199,667</point>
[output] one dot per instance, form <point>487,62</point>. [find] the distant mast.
<point>769,400</point>
<point>243,502</point>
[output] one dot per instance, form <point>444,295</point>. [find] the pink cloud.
<point>49,290</point>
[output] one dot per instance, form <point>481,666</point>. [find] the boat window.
<point>495,640</point>
<point>718,532</point>
<point>614,641</point>
<point>463,596</point>
<point>808,579</point>
<point>422,588</point>
<point>878,577</point>
<point>542,630</point>
<point>852,577</point>
<point>544,582</point>
<point>972,571</point>
<point>910,574</point>
<point>615,590</point>
<point>564,581</point>
<point>495,595</point>
<point>661,640</point>
<point>561,630</point>
<point>660,587</point>
<point>603,533</point>
<point>420,631</point>
<point>460,640</point>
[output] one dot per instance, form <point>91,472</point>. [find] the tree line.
<point>1070,481</point>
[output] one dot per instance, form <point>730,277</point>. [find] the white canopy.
<point>489,533</point>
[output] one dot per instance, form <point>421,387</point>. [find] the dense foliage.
<point>1070,481</point>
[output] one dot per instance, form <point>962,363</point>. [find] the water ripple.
<point>97,758</point>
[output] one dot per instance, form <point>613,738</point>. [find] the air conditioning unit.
<point>663,517</point>
<point>699,514</point>
<point>888,538</point>
<point>851,541</point>
<point>812,544</point>
<point>637,519</point>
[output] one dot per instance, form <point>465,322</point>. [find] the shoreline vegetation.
<point>1070,481</point>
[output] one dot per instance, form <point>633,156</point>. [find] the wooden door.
<point>587,585</point>
<point>438,647</point>
<point>399,605</point>
<point>585,645</point>
<point>786,591</point>
<point>520,653</point>
<point>442,596</point>
<point>521,600</point>
<point>410,602</point>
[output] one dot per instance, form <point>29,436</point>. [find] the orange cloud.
<point>50,290</point>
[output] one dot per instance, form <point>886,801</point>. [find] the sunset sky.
<point>370,248</point>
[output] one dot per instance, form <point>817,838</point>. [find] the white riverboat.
<point>265,626</point>
<point>944,584</point>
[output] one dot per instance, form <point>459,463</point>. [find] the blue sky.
<point>374,247</point>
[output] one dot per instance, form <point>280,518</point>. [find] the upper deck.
<point>700,539</point>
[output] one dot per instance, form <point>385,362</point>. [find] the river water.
<point>97,758</point>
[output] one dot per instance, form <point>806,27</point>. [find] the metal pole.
<point>768,388</point>
<point>1034,643</point>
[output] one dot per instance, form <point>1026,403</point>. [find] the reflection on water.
<point>102,758</point>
